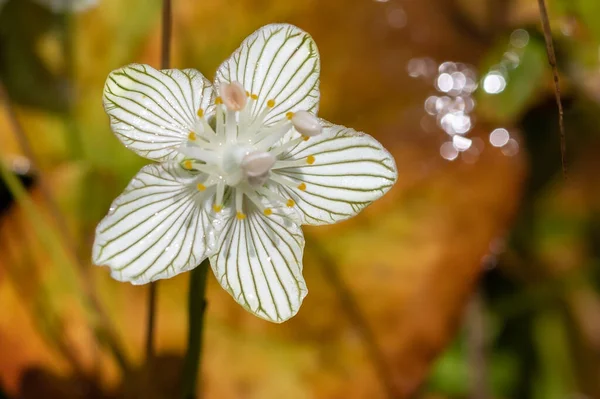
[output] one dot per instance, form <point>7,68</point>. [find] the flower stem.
<point>552,61</point>
<point>196,309</point>
<point>167,26</point>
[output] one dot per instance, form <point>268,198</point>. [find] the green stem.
<point>196,308</point>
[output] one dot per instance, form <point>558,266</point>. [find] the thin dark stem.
<point>476,348</point>
<point>196,310</point>
<point>167,30</point>
<point>552,60</point>
<point>151,321</point>
<point>104,329</point>
<point>165,63</point>
<point>358,320</point>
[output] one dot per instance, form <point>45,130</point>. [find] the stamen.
<point>240,216</point>
<point>289,115</point>
<point>310,160</point>
<point>192,136</point>
<point>271,103</point>
<point>254,96</point>
<point>257,163</point>
<point>288,182</point>
<point>279,129</point>
<point>290,144</point>
<point>253,197</point>
<point>307,124</point>
<point>268,212</point>
<point>239,202</point>
<point>233,96</point>
<point>200,167</point>
<point>293,163</point>
<point>201,187</point>
<point>220,115</point>
<point>199,154</point>
<point>259,121</point>
<point>205,126</point>
<point>271,195</point>
<point>218,206</point>
<point>290,203</point>
<point>230,126</point>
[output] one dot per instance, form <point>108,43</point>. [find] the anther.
<point>217,208</point>
<point>192,136</point>
<point>305,138</point>
<point>310,159</point>
<point>240,216</point>
<point>254,96</point>
<point>302,186</point>
<point>233,96</point>
<point>307,124</point>
<point>258,163</point>
<point>201,187</point>
<point>268,212</point>
<point>290,203</point>
<point>188,164</point>
<point>289,115</point>
<point>200,113</point>
<point>218,100</point>
<point>271,103</point>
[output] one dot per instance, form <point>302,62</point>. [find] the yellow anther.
<point>188,164</point>
<point>201,187</point>
<point>218,100</point>
<point>302,186</point>
<point>192,136</point>
<point>271,103</point>
<point>268,212</point>
<point>289,115</point>
<point>290,203</point>
<point>254,97</point>
<point>201,113</point>
<point>217,208</point>
<point>310,160</point>
<point>240,216</point>
<point>305,138</point>
<point>247,93</point>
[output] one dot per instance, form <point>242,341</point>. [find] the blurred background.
<point>477,276</point>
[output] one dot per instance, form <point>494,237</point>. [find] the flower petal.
<point>157,228</point>
<point>345,171</point>
<point>278,62</point>
<point>259,262</point>
<point>152,112</point>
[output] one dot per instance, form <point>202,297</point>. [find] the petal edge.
<point>345,171</point>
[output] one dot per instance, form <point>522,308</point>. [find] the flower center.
<point>237,153</point>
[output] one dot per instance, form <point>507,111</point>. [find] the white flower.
<point>242,164</point>
<point>59,6</point>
